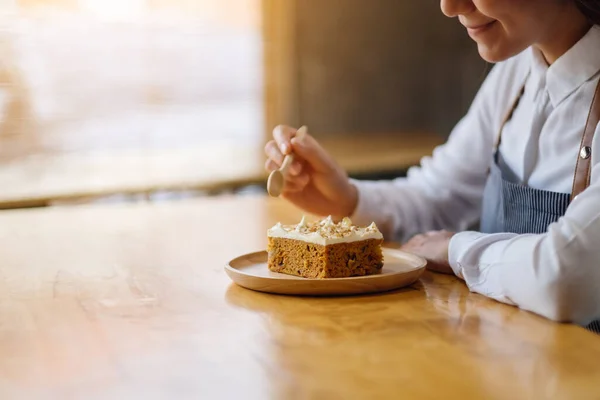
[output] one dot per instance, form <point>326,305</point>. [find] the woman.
<point>524,162</point>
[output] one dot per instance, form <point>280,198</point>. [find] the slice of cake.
<point>324,249</point>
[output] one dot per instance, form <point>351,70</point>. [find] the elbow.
<point>558,305</point>
<point>570,302</point>
<point>568,287</point>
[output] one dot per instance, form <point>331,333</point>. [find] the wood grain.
<point>131,301</point>
<point>280,60</point>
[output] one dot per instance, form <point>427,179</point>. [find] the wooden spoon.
<point>276,181</point>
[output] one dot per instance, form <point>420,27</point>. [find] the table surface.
<point>131,301</point>
<point>40,179</point>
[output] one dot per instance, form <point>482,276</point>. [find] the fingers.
<point>287,139</point>
<point>421,239</point>
<point>296,168</point>
<point>310,150</point>
<point>272,151</point>
<point>280,146</point>
<point>436,233</point>
<point>274,162</point>
<point>441,268</point>
<point>296,177</point>
<point>297,184</point>
<point>283,136</point>
<point>416,241</point>
<point>434,247</point>
<point>271,165</point>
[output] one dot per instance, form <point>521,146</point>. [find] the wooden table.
<point>131,301</point>
<point>42,179</point>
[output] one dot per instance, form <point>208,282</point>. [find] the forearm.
<point>402,209</point>
<point>556,275</point>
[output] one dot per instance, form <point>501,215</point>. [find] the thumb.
<point>307,147</point>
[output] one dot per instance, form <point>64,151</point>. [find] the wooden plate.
<point>399,269</point>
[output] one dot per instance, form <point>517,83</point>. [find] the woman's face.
<point>504,28</point>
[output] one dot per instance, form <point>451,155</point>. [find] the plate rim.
<point>422,264</point>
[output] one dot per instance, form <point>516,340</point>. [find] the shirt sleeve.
<point>445,191</point>
<point>555,274</point>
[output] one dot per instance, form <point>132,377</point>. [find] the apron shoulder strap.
<point>584,159</point>
<point>510,113</point>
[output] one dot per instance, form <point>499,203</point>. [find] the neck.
<point>563,33</point>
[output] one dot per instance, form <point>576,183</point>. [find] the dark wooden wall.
<point>382,65</point>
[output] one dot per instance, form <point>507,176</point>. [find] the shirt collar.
<point>539,69</point>
<point>578,65</point>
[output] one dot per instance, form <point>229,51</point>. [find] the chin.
<point>501,50</point>
<point>494,55</point>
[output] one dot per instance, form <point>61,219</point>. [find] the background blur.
<point>119,100</point>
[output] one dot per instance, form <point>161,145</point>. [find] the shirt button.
<point>585,152</point>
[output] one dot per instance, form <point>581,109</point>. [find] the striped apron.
<point>511,206</point>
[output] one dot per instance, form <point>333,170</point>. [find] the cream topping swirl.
<point>325,231</point>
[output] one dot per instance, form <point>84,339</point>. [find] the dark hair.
<point>591,9</point>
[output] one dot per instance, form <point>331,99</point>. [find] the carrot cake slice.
<point>324,249</point>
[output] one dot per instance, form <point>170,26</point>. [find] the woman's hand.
<point>434,247</point>
<point>314,182</point>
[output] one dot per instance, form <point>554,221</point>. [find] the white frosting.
<point>325,232</point>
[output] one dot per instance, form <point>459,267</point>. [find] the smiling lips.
<point>477,29</point>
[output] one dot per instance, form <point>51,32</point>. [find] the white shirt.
<point>556,274</point>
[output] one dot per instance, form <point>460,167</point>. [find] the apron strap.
<point>509,115</point>
<point>584,158</point>
<point>510,112</point>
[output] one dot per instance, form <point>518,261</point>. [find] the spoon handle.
<point>301,131</point>
<point>287,161</point>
